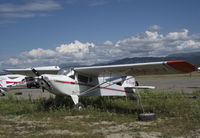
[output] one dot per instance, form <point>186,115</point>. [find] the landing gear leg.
<point>75,99</point>
<point>2,93</point>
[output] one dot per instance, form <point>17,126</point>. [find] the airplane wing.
<point>150,68</point>
<point>29,72</point>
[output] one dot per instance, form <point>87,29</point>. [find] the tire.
<point>37,86</point>
<point>2,94</point>
<point>28,86</point>
<point>79,106</point>
<point>147,117</point>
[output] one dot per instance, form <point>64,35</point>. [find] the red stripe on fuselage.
<point>90,85</point>
<point>15,82</point>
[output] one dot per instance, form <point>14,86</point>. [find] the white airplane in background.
<point>110,80</point>
<point>11,81</point>
<point>17,81</point>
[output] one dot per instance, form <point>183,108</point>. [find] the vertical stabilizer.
<point>129,82</point>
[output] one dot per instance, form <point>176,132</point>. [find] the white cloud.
<point>13,61</point>
<point>39,53</point>
<point>76,47</point>
<point>36,5</point>
<point>18,15</point>
<point>108,43</point>
<point>155,44</point>
<point>28,9</point>
<point>145,44</point>
<point>181,34</point>
<point>154,28</point>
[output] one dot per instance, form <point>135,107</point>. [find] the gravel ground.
<point>31,93</point>
<point>183,84</point>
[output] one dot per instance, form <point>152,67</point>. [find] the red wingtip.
<point>182,66</point>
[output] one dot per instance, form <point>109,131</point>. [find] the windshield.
<point>63,71</point>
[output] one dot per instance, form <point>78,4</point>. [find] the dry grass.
<point>177,115</point>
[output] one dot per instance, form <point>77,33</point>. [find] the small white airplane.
<point>11,81</point>
<point>17,81</point>
<point>110,80</point>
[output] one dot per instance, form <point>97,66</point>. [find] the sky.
<point>54,32</point>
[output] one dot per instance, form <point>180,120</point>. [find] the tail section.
<point>130,82</point>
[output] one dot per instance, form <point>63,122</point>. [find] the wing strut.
<point>75,99</point>
<point>96,86</point>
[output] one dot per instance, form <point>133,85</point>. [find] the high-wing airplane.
<point>11,81</point>
<point>110,80</point>
<point>25,80</point>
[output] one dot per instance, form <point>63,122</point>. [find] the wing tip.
<point>182,66</point>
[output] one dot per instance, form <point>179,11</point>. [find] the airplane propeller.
<point>42,80</point>
<point>35,72</point>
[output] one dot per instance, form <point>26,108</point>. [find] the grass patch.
<point>177,113</point>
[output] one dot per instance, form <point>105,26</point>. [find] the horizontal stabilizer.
<point>144,87</point>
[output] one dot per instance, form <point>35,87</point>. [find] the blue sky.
<point>44,32</point>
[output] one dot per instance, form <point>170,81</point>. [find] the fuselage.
<point>83,86</point>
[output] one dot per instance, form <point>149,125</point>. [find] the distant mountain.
<point>187,55</point>
<point>193,58</point>
<point>3,73</point>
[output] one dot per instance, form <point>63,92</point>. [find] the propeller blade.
<point>41,78</point>
<point>44,81</point>
<point>35,72</point>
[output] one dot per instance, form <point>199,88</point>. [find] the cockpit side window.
<point>68,72</point>
<point>83,78</point>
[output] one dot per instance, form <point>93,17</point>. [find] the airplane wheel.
<point>147,117</point>
<point>2,94</point>
<point>79,106</point>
